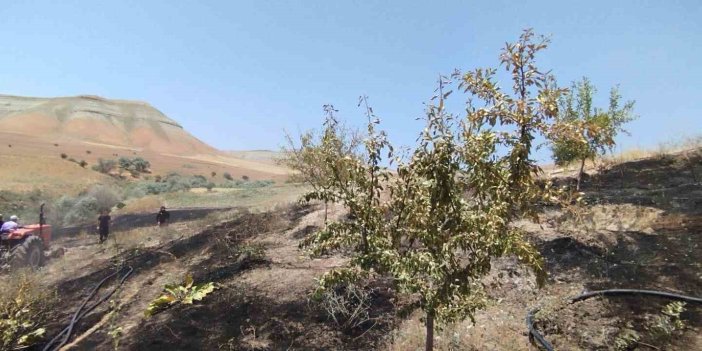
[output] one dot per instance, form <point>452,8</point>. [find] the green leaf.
<point>200,291</point>
<point>31,337</point>
<point>160,303</point>
<point>188,281</point>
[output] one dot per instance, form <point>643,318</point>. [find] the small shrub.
<point>69,211</point>
<point>213,174</point>
<point>114,330</point>
<point>198,181</point>
<point>626,339</point>
<point>64,156</point>
<point>88,152</point>
<point>83,163</point>
<point>255,252</point>
<point>24,308</point>
<point>245,178</point>
<point>83,209</point>
<point>72,159</point>
<point>210,186</point>
<point>347,305</point>
<point>105,198</point>
<point>227,176</point>
<point>124,163</point>
<point>667,324</point>
<point>104,166</point>
<point>141,165</point>
<point>56,145</point>
<point>185,294</point>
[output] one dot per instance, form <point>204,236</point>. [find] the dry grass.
<point>51,175</point>
<point>681,145</point>
<point>149,203</point>
<point>34,162</point>
<point>214,190</point>
<point>664,148</point>
<point>411,336</point>
<point>256,199</point>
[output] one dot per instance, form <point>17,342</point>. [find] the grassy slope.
<point>28,163</point>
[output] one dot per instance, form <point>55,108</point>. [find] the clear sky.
<point>236,73</point>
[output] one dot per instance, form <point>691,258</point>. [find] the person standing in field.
<point>162,217</point>
<point>104,225</point>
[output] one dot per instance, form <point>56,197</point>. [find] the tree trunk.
<point>430,332</point>
<point>580,174</point>
<point>325,211</point>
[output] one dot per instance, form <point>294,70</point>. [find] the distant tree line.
<point>134,166</point>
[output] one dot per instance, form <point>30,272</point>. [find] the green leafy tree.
<point>434,225</point>
<point>583,132</point>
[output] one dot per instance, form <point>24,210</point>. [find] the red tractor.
<point>25,245</point>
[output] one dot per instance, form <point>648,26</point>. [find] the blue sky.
<point>235,73</point>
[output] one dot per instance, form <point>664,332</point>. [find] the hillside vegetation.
<point>640,230</point>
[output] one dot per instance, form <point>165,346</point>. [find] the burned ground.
<point>641,229</point>
<point>239,314</point>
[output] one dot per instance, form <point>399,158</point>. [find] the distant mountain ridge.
<point>94,119</point>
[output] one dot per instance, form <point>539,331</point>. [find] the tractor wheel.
<point>29,253</point>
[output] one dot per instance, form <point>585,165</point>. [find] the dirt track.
<point>136,220</point>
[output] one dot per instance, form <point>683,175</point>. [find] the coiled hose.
<point>65,334</point>
<point>533,333</point>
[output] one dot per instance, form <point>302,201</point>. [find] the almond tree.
<point>307,159</point>
<point>435,223</point>
<point>582,131</point>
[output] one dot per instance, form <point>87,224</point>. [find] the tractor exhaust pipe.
<point>41,219</point>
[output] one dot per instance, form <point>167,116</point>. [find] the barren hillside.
<point>92,119</point>
<point>35,132</point>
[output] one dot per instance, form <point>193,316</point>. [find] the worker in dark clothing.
<point>1,221</point>
<point>162,217</point>
<point>104,225</point>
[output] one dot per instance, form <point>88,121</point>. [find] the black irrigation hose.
<point>80,313</point>
<point>533,333</point>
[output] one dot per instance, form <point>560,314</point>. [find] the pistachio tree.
<point>435,222</point>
